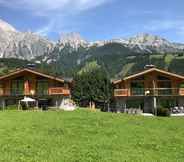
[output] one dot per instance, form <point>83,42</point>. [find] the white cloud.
<point>44,6</point>
<point>57,12</point>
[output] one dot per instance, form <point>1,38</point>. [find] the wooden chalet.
<point>35,84</point>
<point>149,89</point>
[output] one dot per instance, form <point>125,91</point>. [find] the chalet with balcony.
<point>149,89</point>
<point>35,84</point>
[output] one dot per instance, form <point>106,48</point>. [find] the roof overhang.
<point>148,71</point>
<point>33,72</point>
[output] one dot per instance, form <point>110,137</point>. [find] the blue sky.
<point>96,19</point>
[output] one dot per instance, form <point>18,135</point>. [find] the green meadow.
<point>86,136</point>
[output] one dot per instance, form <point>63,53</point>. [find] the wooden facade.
<point>28,82</point>
<point>150,89</point>
<point>152,82</point>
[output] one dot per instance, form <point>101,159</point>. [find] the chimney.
<point>149,66</point>
<point>31,66</point>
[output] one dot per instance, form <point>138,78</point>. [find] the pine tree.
<point>92,85</point>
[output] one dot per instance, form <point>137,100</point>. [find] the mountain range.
<point>71,52</point>
<point>22,45</point>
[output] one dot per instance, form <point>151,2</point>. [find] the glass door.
<point>137,88</point>
<point>42,87</point>
<point>17,87</point>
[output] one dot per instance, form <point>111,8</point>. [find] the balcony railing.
<point>149,92</point>
<point>58,91</point>
<point>50,91</point>
<point>121,92</point>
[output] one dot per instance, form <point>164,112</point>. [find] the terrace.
<point>47,92</point>
<point>149,92</point>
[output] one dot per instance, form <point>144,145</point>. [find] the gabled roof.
<point>148,71</point>
<point>33,72</point>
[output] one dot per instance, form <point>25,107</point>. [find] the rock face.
<point>141,43</point>
<point>74,40</point>
<point>147,43</point>
<point>14,44</point>
<point>28,45</point>
<point>152,43</point>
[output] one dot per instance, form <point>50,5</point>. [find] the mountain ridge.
<point>21,45</point>
<point>28,45</point>
<point>72,52</point>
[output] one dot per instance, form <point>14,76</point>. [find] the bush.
<point>163,112</point>
<point>12,107</point>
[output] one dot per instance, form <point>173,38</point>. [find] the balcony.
<point>59,91</point>
<point>120,92</point>
<point>50,91</point>
<point>149,92</point>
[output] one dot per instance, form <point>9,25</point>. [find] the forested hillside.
<point>117,64</point>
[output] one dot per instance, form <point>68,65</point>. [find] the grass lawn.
<point>84,136</point>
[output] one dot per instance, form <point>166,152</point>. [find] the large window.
<point>17,87</point>
<point>42,87</point>
<point>137,88</point>
<point>164,86</point>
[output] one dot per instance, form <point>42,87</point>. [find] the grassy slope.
<point>168,59</point>
<point>126,69</point>
<point>88,136</point>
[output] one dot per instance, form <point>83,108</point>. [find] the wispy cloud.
<point>45,6</point>
<point>58,13</point>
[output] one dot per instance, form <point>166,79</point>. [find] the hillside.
<point>118,64</point>
<point>10,64</point>
<point>118,60</point>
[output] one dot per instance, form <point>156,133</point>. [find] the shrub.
<point>163,112</point>
<point>12,107</point>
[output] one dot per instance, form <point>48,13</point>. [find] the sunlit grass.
<point>83,135</point>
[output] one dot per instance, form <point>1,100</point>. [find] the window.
<point>181,85</point>
<point>164,88</point>
<point>137,88</point>
<point>56,84</point>
<point>162,78</point>
<point>42,87</point>
<point>17,87</point>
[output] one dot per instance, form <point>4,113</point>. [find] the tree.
<point>92,84</point>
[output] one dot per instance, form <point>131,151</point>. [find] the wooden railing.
<point>50,91</point>
<point>149,92</point>
<point>58,91</point>
<point>120,92</point>
<point>11,92</point>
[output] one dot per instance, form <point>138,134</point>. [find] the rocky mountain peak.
<point>75,40</point>
<point>22,45</point>
<point>148,39</point>
<point>28,45</point>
